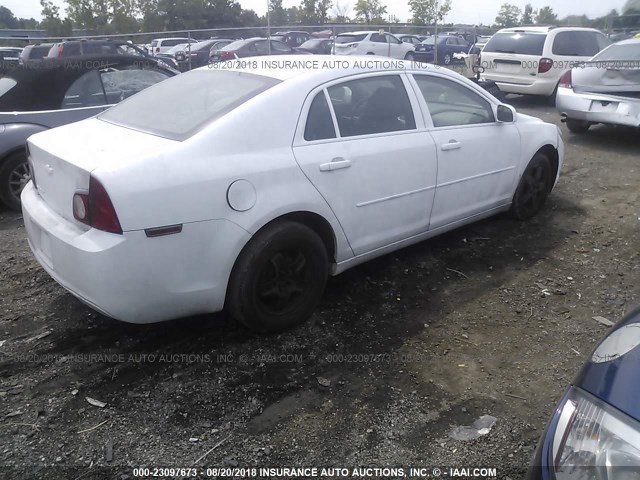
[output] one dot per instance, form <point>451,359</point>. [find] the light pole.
<point>435,35</point>
<point>268,27</point>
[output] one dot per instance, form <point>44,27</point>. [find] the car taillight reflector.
<point>95,208</point>
<point>227,55</point>
<point>81,207</point>
<point>545,65</point>
<point>565,80</point>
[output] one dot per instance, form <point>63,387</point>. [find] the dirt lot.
<point>492,319</point>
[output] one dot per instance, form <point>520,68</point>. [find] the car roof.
<point>547,29</point>
<point>629,41</point>
<point>362,32</point>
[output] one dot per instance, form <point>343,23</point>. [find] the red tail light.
<point>545,65</point>
<point>565,80</point>
<point>157,49</point>
<point>224,55</point>
<point>95,208</point>
<point>60,50</point>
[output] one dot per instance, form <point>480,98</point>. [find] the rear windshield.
<point>620,52</point>
<point>350,38</point>
<point>520,43</point>
<point>237,44</point>
<point>177,108</point>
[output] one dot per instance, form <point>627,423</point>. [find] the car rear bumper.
<point>598,108</point>
<point>131,277</point>
<point>539,86</point>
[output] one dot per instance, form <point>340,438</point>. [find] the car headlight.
<point>595,441</point>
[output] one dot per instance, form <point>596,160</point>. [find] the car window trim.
<point>425,107</point>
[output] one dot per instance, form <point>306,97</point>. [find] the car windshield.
<point>178,48</point>
<point>177,108</point>
<point>237,44</point>
<point>629,51</point>
<point>350,38</point>
<point>520,43</point>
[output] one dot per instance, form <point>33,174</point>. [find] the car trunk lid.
<point>612,77</point>
<point>62,159</point>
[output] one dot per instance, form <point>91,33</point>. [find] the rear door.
<point>367,154</point>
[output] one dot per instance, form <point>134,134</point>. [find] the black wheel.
<point>493,89</point>
<point>278,278</point>
<point>551,99</point>
<point>534,188</point>
<point>577,126</point>
<point>409,56</point>
<point>15,173</point>
<point>447,59</point>
<point>370,53</point>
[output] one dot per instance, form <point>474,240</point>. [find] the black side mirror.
<point>505,114</point>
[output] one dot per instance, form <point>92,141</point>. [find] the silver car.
<point>606,89</point>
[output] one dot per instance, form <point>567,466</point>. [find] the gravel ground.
<point>491,319</point>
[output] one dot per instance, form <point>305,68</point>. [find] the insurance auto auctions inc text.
<point>358,472</point>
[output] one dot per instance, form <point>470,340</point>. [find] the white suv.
<point>531,60</point>
<point>373,43</point>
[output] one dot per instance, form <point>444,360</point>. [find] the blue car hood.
<point>612,372</point>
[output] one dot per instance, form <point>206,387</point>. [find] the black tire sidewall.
<point>577,126</point>
<point>242,300</point>
<point>518,210</point>
<point>6,167</point>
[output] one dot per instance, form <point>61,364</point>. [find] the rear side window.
<point>189,102</point>
<point>319,122</point>
<point>516,42</point>
<point>372,105</point>
<point>86,91</point>
<point>577,44</point>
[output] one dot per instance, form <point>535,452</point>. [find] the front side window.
<point>452,104</point>
<point>372,105</point>
<point>392,39</point>
<point>377,38</point>
<point>280,47</point>
<point>319,122</point>
<point>261,46</point>
<point>86,91</point>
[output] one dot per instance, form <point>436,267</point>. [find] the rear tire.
<point>534,188</point>
<point>278,278</point>
<point>15,173</point>
<point>577,126</point>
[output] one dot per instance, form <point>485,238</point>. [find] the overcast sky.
<point>463,11</point>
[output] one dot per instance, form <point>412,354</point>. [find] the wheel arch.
<point>552,153</point>
<point>315,222</point>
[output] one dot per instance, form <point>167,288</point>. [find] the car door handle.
<point>335,164</point>
<point>452,145</point>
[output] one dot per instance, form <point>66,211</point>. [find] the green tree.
<point>277,13</point>
<point>7,18</point>
<point>370,11</point>
<point>293,15</point>
<point>528,16</point>
<point>51,21</point>
<point>427,12</point>
<point>308,12</point>
<point>508,16</point>
<point>322,10</point>
<point>546,16</point>
<point>340,12</point>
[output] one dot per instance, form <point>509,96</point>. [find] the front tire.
<point>533,189</point>
<point>577,126</point>
<point>15,173</point>
<point>278,278</point>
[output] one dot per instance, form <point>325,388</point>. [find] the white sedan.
<point>246,188</point>
<point>373,43</point>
